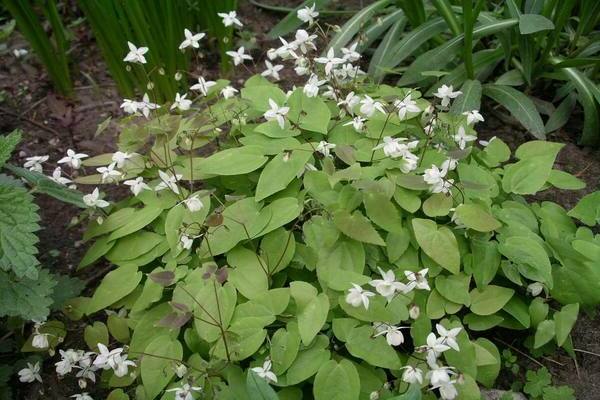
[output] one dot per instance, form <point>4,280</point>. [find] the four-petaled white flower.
<point>448,336</point>
<point>417,280</point>
<point>239,56</point>
<point>203,86</point>
<point>393,335</point>
<point>230,19</point>
<point>191,39</point>
<point>109,173</point>
<point>193,203</point>
<point>435,347</point>
<point>31,373</point>
<point>276,113</point>
<point>136,54</point>
<point>272,70</point>
<point>146,105</point>
<point>473,117</point>
<point>228,92</point>
<point>185,392</point>
<point>368,106</point>
<point>447,390</point>
<point>412,375</point>
<point>35,163</point>
<point>308,14</point>
<point>113,359</point>
<point>93,199</point>
<point>357,296</point>
<point>325,148</point>
<point>330,60</point>
<point>434,176</point>
<point>181,102</point>
<point>405,106</point>
<point>311,89</point>
<point>350,54</point>
<point>129,106</point>
<point>58,178</point>
<point>73,159</point>
<point>305,41</point>
<point>461,138</point>
<point>350,102</point>
<point>446,93</point>
<point>388,286</point>
<point>137,185</point>
<point>82,396</point>
<point>265,371</point>
<point>168,181</point>
<point>121,157</point>
<point>357,123</point>
<point>186,242</point>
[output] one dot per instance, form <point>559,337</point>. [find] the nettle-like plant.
<point>344,240</point>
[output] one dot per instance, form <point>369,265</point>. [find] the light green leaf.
<point>564,180</point>
<point>285,344</point>
<point>375,351</point>
<point>544,333</point>
<point>530,257</point>
<point>587,209</point>
<point>136,222</point>
<point>438,243</point>
<point>280,171</point>
<point>116,284</point>
<point>357,227</point>
<point>236,161</point>
<point>475,217</point>
<point>489,300</point>
<point>382,212</point>
<point>337,381</point>
<point>527,176</point>
<point>564,321</point>
<point>258,388</point>
<point>157,364</point>
<point>469,100</point>
<point>249,272</point>
<point>532,23</point>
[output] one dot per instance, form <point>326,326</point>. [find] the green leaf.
<point>236,161</point>
<point>137,221</point>
<point>157,364</point>
<point>308,361</point>
<point>382,212</point>
<point>486,260</point>
<point>115,285</point>
<point>412,393</point>
<point>559,393</point>
<point>94,334</point>
<point>357,227</point>
<point>537,381</point>
<point>519,105</point>
<point>438,243</point>
<point>27,298</point>
<point>437,205</point>
<point>337,381</point>
<point>258,388</point>
<point>280,171</point>
<point>249,272</point>
<point>527,176</point>
<point>8,144</point>
<point>285,344</point>
<point>309,113</point>
<point>544,333</point>
<point>564,180</point>
<point>530,257</point>
<point>454,288</point>
<point>564,321</point>
<point>532,23</point>
<point>375,351</point>
<point>587,209</point>
<point>490,300</point>
<point>476,218</point>
<point>376,65</point>
<point>311,309</point>
<point>488,361</point>
<point>470,98</point>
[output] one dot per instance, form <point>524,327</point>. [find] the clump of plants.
<point>339,240</point>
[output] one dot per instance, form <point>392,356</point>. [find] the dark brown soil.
<point>51,125</point>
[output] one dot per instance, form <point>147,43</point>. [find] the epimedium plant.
<point>341,240</point>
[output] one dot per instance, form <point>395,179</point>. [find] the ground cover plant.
<point>343,239</point>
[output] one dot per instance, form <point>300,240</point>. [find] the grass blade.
<point>470,98</point>
<point>383,49</point>
<point>560,117</point>
<point>469,22</point>
<point>444,8</point>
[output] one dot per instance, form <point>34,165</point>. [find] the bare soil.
<point>52,124</point>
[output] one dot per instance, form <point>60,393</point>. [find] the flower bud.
<point>414,311</point>
<point>82,383</point>
<point>128,68</point>
<point>100,220</point>
<point>150,85</point>
<point>161,71</point>
<point>181,370</point>
<point>374,395</point>
<point>535,288</point>
<point>178,76</point>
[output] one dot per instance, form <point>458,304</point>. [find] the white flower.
<point>330,60</point>
<point>18,53</point>
<point>302,66</point>
<point>137,185</point>
<point>120,158</point>
<point>31,373</point>
<point>136,54</point>
<point>180,370</point>
<point>58,178</point>
<point>412,375</point>
<point>109,173</point>
<point>230,19</point>
<point>486,143</point>
<point>461,138</point>
<point>414,311</point>
<point>447,390</point>
<point>193,203</point>
<point>405,106</point>
<point>393,335</point>
<point>276,113</point>
<point>105,359</point>
<point>357,296</point>
<point>130,106</point>
<point>448,336</point>
<point>350,102</point>
<point>473,117</point>
<point>392,146</point>
<point>228,92</point>
<point>186,242</point>
<point>357,123</point>
<point>121,365</point>
<point>146,105</point>
<point>272,70</point>
<point>185,392</point>
<point>311,89</point>
<point>435,347</point>
<point>82,396</point>
<point>434,176</point>
<point>40,341</point>
<point>191,39</point>
<point>272,54</point>
<point>73,159</point>
<point>350,54</point>
<point>387,286</point>
<point>203,86</point>
<point>446,93</point>
<point>93,200</point>
<point>68,359</point>
<point>265,371</point>
<point>308,14</point>
<point>347,71</point>
<point>304,41</point>
<point>417,279</point>
<point>449,165</point>
<point>181,102</point>
<point>239,56</point>
<point>535,288</point>
<point>35,163</point>
<point>325,148</point>
<point>168,181</point>
<point>368,106</point>
<point>287,49</point>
